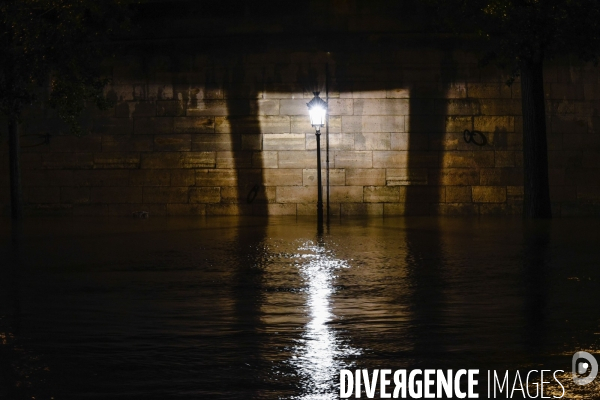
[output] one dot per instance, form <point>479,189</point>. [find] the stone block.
<point>153,126</point>
<point>340,107</point>
<point>180,142</point>
<point>494,124</point>
<point>458,209</point>
<point>458,194</point>
<point>284,141</point>
<point>398,93</point>
<point>356,209</point>
<point>568,124</point>
<point>560,106</point>
<point>454,176</point>
<point>165,195</point>
<point>66,161</point>
<point>458,124</point>
<point>337,177</point>
<point>461,106</point>
<point>209,107</point>
<point>193,125</point>
<point>216,142</point>
<point>505,159</point>
<point>391,159</point>
<point>337,141</point>
<point>420,124</point>
<point>282,177</point>
<point>394,209</point>
<point>406,176</point>
<point>216,177</point>
<point>61,144</point>
<point>178,160</point>
<point>450,141</point>
<point>265,107</point>
<point>117,160</point>
<point>468,159</point>
<point>265,159</point>
<point>252,141</point>
<point>488,90</point>
<point>260,124</point>
<point>293,107</point>
<point>205,195</point>
<point>112,195</point>
<point>282,91</point>
<point>401,141</point>
<point>372,141</point>
<point>367,124</point>
<point>516,193</point>
<point>183,177</point>
<point>423,194</point>
<point>241,194</point>
<point>501,176</point>
<point>365,177</point>
<point>296,194</point>
<point>127,143</point>
<point>101,178</point>
<point>489,194</point>
<point>346,194</point>
<point>299,159</point>
<point>149,177</point>
<point>381,194</point>
<point>364,90</point>
<point>141,109</point>
<point>234,159</point>
<point>353,159</point>
<point>112,126</point>
<point>501,107</point>
<point>371,107</point>
<point>170,108</point>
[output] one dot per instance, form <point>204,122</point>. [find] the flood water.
<point>256,308</point>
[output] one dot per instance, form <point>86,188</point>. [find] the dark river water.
<point>255,308</point>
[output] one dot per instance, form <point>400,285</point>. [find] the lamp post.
<point>317,109</point>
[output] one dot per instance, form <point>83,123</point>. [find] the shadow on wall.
<point>243,125</point>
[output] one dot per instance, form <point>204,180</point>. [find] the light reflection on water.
<point>320,354</point>
<point>237,308</point>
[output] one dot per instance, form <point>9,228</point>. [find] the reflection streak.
<point>320,354</point>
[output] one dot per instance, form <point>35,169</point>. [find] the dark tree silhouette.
<point>520,35</point>
<point>51,52</point>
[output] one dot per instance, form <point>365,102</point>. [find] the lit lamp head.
<point>317,109</point>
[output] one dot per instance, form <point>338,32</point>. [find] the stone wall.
<point>194,134</point>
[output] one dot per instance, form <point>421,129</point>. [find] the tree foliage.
<point>52,51</point>
<point>526,30</point>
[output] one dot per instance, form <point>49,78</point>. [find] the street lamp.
<point>317,109</point>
